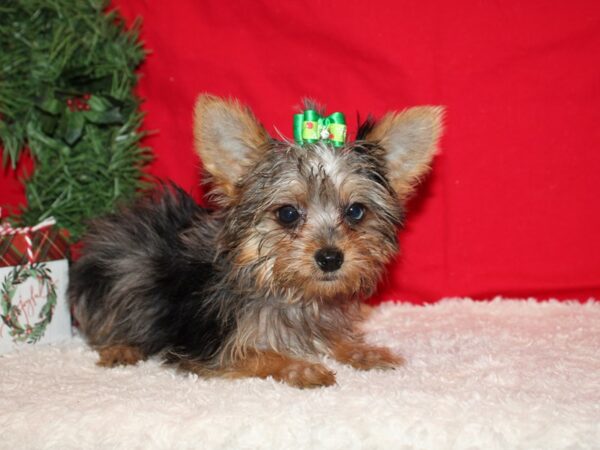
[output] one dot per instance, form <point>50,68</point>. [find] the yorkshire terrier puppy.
<point>274,277</point>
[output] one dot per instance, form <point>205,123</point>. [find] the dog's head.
<point>313,220</point>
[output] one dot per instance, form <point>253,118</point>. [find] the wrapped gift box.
<point>34,274</point>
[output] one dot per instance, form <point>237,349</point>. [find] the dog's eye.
<point>288,215</point>
<point>355,212</point>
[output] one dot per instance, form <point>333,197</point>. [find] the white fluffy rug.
<point>501,374</point>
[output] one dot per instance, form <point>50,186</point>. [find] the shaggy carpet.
<point>494,375</point>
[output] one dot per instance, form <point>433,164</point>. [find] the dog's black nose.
<point>329,259</point>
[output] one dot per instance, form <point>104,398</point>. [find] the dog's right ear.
<point>228,139</point>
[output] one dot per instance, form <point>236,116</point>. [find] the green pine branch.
<point>67,73</point>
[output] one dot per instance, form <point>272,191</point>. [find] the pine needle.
<point>67,73</point>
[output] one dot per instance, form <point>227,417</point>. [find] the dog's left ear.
<point>409,140</point>
<point>229,139</point>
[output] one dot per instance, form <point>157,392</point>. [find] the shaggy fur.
<point>274,277</point>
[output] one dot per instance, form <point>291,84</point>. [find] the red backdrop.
<point>512,206</point>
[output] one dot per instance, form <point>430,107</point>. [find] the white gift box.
<point>34,275</point>
<point>31,315</point>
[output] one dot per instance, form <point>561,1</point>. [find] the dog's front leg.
<point>264,364</point>
<point>295,372</point>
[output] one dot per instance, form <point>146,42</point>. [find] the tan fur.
<point>365,311</point>
<point>264,364</point>
<point>227,138</point>
<point>410,139</point>
<point>294,263</point>
<point>365,357</point>
<point>119,355</point>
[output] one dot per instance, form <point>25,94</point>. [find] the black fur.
<point>364,128</point>
<point>170,280</point>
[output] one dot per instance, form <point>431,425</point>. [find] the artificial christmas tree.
<point>67,71</point>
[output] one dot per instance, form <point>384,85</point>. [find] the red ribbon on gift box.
<point>26,245</point>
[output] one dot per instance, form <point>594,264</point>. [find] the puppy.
<point>274,277</point>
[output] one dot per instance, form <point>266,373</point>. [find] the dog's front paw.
<point>374,358</point>
<point>302,374</point>
<point>366,357</point>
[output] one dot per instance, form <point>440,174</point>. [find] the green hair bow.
<point>311,127</point>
